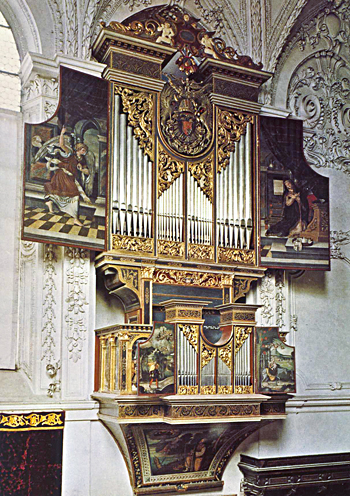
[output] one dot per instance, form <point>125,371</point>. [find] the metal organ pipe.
<point>234,196</point>
<point>132,180</point>
<point>199,214</point>
<point>170,212</point>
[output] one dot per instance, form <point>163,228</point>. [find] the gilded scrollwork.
<point>225,354</point>
<point>201,252</point>
<point>130,277</point>
<point>182,277</point>
<point>130,243</point>
<point>169,170</point>
<point>208,390</point>
<point>241,335</point>
<point>191,333</point>
<point>207,354</point>
<point>244,390</point>
<point>147,272</point>
<point>187,390</point>
<point>225,389</point>
<point>32,421</point>
<point>241,286</point>
<point>234,255</point>
<point>203,174</point>
<point>170,248</point>
<point>231,126</point>
<point>139,105</point>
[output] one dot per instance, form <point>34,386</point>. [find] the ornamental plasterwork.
<point>280,298</point>
<point>77,281</point>
<point>49,331</point>
<point>319,93</point>
<point>267,297</point>
<point>339,239</point>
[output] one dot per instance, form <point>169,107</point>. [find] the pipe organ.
<point>182,252</point>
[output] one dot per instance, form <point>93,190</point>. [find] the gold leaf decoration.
<point>139,106</point>
<point>168,170</point>
<point>170,248</point>
<point>130,243</point>
<point>225,389</point>
<point>203,174</point>
<point>207,355</point>
<point>201,252</point>
<point>225,354</point>
<point>191,333</point>
<point>182,277</point>
<point>208,390</point>
<point>241,286</point>
<point>241,334</point>
<point>231,126</point>
<point>244,390</point>
<point>31,421</point>
<point>233,255</point>
<point>187,390</point>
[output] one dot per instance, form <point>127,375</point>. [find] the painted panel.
<point>65,180</point>
<point>274,362</point>
<point>294,209</point>
<point>156,361</point>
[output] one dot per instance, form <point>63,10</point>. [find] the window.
<point>10,84</point>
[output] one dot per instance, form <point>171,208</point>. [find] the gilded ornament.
<point>227,279</point>
<point>231,126</point>
<point>130,243</point>
<point>130,277</point>
<point>139,106</point>
<point>188,390</point>
<point>207,355</point>
<point>241,287</point>
<point>170,248</point>
<point>225,354</point>
<point>187,278</point>
<point>241,335</point>
<point>143,411</point>
<point>244,390</point>
<point>186,116</point>
<point>225,389</point>
<point>248,316</point>
<point>201,252</point>
<point>147,272</point>
<point>31,421</point>
<point>191,333</point>
<point>168,170</point>
<point>208,390</point>
<point>234,255</point>
<point>203,174</point>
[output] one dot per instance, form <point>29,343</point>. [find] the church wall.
<point>10,193</point>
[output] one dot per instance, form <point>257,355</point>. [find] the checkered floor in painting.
<point>40,218</point>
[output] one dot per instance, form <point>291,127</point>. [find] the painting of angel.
<point>65,167</point>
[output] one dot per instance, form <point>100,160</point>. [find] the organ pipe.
<point>234,196</point>
<point>132,181</point>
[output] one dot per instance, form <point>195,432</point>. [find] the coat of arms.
<point>186,116</point>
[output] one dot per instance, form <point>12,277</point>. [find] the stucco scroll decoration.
<point>319,92</point>
<point>77,280</point>
<point>339,239</point>
<point>280,298</point>
<point>267,296</point>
